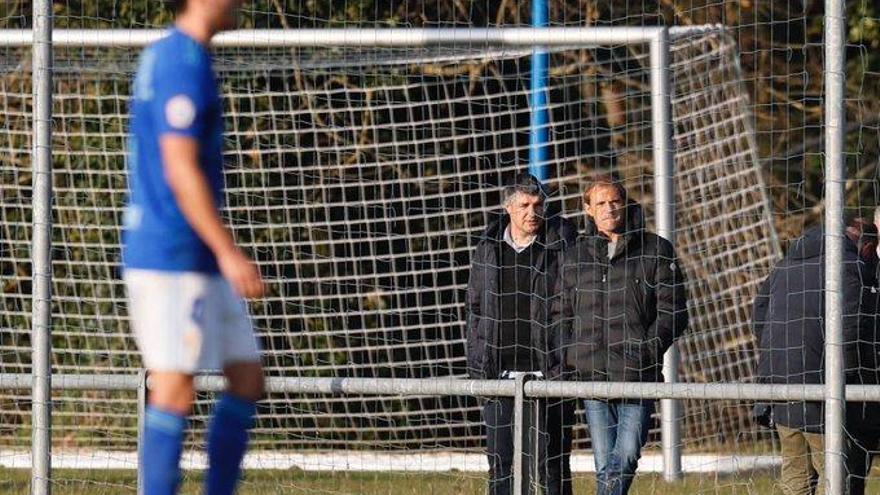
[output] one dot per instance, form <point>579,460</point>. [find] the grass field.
<point>16,482</point>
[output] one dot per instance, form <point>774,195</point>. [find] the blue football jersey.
<point>175,93</point>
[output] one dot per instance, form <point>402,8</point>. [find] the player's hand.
<point>241,273</point>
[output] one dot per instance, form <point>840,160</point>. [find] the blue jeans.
<point>618,430</point>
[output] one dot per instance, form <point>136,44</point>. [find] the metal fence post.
<point>142,415</point>
<point>664,194</point>
<point>41,255</point>
<point>519,482</point>
<point>835,176</point>
<point>525,440</point>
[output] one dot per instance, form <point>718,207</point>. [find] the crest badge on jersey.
<point>180,112</point>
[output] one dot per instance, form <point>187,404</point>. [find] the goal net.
<point>360,180</point>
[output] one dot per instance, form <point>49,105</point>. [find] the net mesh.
<point>745,102</point>
<point>360,180</point>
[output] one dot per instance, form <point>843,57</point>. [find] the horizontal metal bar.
<point>486,388</point>
<point>394,386</point>
<point>682,31</point>
<point>393,37</point>
<point>697,391</point>
<point>20,381</point>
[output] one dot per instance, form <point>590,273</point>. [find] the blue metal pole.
<point>539,134</point>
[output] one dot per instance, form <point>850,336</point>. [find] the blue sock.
<point>162,445</point>
<point>227,442</point>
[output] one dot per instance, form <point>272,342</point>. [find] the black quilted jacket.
<point>483,311</point>
<point>619,315</point>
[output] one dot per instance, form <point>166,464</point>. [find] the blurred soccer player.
<point>184,274</point>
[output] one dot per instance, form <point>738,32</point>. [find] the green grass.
<point>68,482</point>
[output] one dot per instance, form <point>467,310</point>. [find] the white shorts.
<point>188,321</point>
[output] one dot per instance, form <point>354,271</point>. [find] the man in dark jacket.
<point>788,326</point>
<point>513,270</point>
<point>622,305</point>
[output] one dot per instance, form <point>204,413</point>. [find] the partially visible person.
<point>788,324</point>
<point>877,223</point>
<point>513,269</point>
<point>863,418</point>
<point>622,304</point>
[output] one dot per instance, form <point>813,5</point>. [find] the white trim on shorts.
<point>188,321</point>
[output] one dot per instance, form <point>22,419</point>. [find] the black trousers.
<point>554,444</point>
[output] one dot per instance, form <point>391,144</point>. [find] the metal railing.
<point>477,388</point>
<point>522,390</point>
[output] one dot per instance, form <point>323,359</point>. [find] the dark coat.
<point>864,417</point>
<point>787,322</point>
<point>483,304</point>
<point>619,315</point>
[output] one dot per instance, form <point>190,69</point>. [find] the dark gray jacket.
<point>787,322</point>
<point>619,315</point>
<point>483,304</point>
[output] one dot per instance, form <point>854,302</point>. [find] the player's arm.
<point>181,105</point>
<point>180,161</point>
